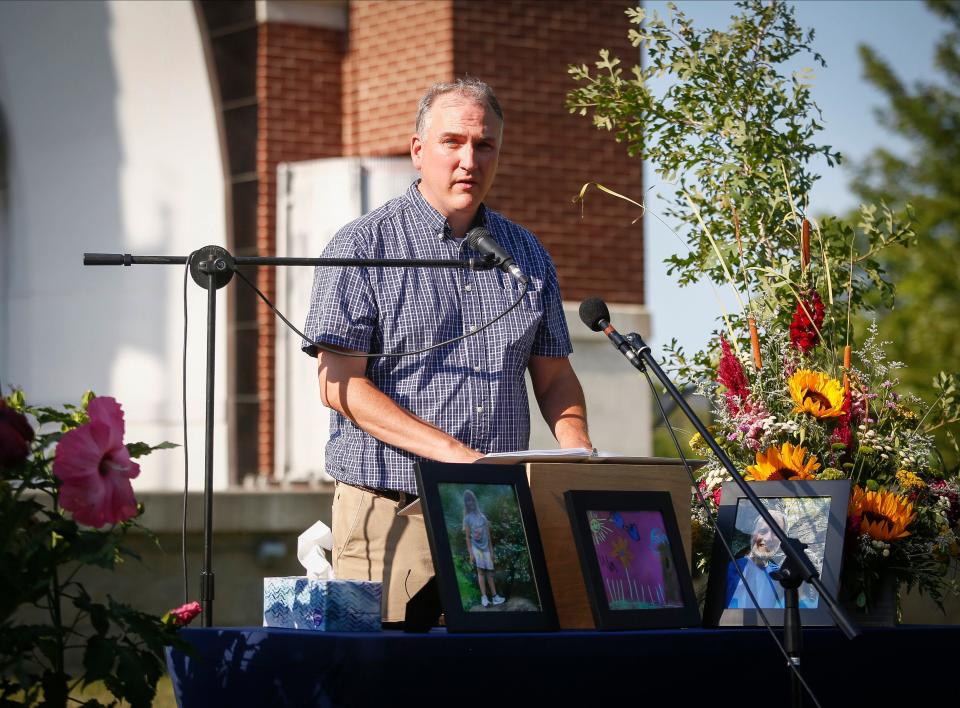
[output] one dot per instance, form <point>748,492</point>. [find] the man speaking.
<point>451,404</point>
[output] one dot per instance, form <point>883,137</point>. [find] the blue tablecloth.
<point>707,667</point>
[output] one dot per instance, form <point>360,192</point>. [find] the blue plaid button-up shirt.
<point>473,389</point>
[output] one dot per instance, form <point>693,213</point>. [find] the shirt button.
<point>479,409</point>
<point>476,368</point>
<point>470,328</point>
<point>468,287</point>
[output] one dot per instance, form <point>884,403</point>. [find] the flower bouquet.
<point>66,502</point>
<point>796,394</point>
<point>797,402</point>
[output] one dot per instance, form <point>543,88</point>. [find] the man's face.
<point>457,158</point>
<point>763,544</point>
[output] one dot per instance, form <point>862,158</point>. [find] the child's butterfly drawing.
<point>631,529</point>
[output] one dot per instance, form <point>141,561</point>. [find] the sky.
<point>903,32</point>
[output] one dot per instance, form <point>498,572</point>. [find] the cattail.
<point>805,245</point>
<point>755,343</point>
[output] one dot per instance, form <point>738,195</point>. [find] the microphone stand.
<point>797,567</point>
<point>212,267</point>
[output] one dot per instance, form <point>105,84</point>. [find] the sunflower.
<point>816,393</point>
<point>783,463</point>
<point>884,515</point>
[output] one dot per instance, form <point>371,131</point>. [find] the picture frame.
<point>815,511</point>
<point>483,534</point>
<point>631,555</point>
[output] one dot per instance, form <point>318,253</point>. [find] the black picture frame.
<point>631,555</point>
<point>523,599</point>
<point>815,511</point>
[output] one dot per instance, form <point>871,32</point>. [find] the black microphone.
<point>482,241</point>
<point>596,316</point>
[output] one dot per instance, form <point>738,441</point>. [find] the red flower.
<point>715,494</point>
<point>842,433</point>
<point>96,468</point>
<point>732,377</point>
<point>804,332</point>
<point>183,615</point>
<point>15,436</point>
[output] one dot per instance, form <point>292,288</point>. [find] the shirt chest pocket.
<point>533,302</point>
<point>511,289</point>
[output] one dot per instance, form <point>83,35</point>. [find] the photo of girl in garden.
<point>476,530</point>
<point>489,548</point>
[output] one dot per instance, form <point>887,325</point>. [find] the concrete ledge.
<point>239,510</point>
<point>311,13</point>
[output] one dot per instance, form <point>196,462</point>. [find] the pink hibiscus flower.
<point>183,615</point>
<point>96,468</point>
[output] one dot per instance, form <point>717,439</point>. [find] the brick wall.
<point>522,48</point>
<point>300,117</point>
<point>396,50</point>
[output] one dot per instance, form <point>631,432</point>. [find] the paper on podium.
<point>564,454</point>
<point>575,454</point>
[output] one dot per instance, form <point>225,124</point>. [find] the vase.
<point>881,611</point>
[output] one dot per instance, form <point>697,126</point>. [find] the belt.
<point>394,495</point>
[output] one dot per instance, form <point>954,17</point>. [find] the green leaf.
<point>99,616</point>
<point>96,548</point>
<point>16,400</point>
<point>135,673</point>
<point>99,658</point>
<point>139,449</point>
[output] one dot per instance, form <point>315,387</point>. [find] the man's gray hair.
<point>782,521</point>
<point>467,87</point>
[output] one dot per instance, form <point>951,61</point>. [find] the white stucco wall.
<point>316,198</point>
<point>112,147</point>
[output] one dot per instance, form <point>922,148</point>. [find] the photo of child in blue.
<point>476,529</point>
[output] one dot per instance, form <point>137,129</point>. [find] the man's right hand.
<point>469,455</point>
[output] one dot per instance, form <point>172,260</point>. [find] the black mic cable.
<point>380,355</point>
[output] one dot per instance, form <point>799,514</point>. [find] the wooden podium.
<point>549,480</point>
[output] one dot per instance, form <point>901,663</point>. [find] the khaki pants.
<point>370,542</point>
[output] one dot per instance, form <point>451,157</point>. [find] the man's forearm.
<point>565,412</point>
<point>374,412</point>
<point>561,401</point>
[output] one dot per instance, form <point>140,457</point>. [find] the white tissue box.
<point>299,602</point>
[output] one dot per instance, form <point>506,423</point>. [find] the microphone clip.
<point>486,262</point>
<point>639,346</point>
